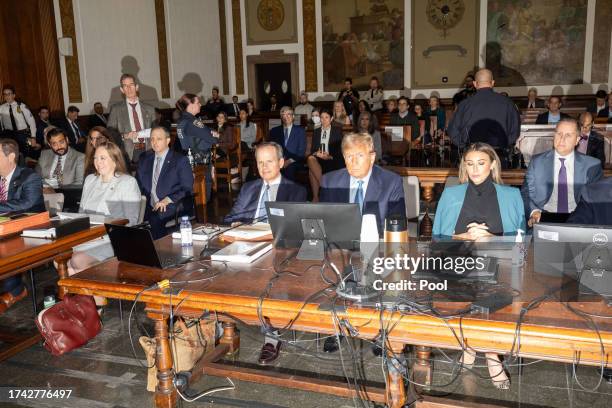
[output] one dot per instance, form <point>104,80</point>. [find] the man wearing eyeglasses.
<point>555,179</point>
<point>17,121</point>
<point>293,140</point>
<point>591,143</point>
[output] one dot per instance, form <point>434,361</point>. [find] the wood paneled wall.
<point>29,57</point>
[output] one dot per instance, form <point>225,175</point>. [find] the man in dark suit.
<point>233,109</point>
<point>293,140</point>
<point>595,206</point>
<point>20,190</point>
<point>591,143</point>
<point>250,207</point>
<point>554,114</point>
<point>599,103</point>
<point>607,111</point>
<point>533,102</point>
<point>98,118</point>
<point>166,180</point>
<point>376,190</point>
<point>42,122</point>
<point>404,117</point>
<point>76,136</point>
<point>555,179</point>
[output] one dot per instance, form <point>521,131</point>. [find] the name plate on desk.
<point>11,224</point>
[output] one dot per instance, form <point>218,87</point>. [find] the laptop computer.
<point>136,245</point>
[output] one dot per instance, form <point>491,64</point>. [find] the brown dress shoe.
<point>7,299</point>
<point>269,353</point>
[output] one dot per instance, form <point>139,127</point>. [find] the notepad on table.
<point>242,252</point>
<point>250,232</point>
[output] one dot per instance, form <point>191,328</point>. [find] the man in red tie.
<point>132,118</point>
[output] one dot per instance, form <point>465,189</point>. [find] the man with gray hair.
<point>292,138</point>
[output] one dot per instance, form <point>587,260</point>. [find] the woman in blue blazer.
<point>480,207</point>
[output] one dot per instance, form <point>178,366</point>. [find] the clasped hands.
<point>475,232</point>
<point>162,204</point>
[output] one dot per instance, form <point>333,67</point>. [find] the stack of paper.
<point>250,232</point>
<point>242,252</point>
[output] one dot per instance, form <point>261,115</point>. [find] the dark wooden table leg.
<point>62,270</point>
<point>165,393</point>
<point>231,337</point>
<point>396,390</point>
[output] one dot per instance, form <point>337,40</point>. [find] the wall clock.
<point>270,14</point>
<point>444,14</point>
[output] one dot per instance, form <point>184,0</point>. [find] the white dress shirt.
<point>551,205</point>
<point>23,119</point>
<point>354,186</point>
<point>131,116</point>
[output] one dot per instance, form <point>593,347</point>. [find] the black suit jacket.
<point>542,118</point>
<point>72,136</point>
<point>335,145</point>
<point>595,206</point>
<point>605,113</point>
<point>595,147</point>
<point>94,121</point>
<point>539,103</point>
<point>229,109</point>
<point>24,192</point>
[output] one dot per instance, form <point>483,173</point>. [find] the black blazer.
<point>539,103</point>
<point>605,113</point>
<point>94,121</point>
<point>24,192</point>
<point>543,118</point>
<point>335,144</point>
<point>72,136</point>
<point>595,147</point>
<point>229,109</point>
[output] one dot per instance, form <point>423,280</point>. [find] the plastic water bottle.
<point>190,157</point>
<point>186,232</point>
<point>519,250</point>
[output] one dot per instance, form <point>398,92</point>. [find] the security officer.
<point>486,117</point>
<point>17,121</point>
<point>193,134</point>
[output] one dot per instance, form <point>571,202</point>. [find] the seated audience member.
<point>160,121</point>
<point>477,208</point>
<point>98,118</point>
<point>348,96</point>
<point>225,133</point>
<point>391,106</point>
<point>340,116</point>
<point>376,190</point>
<point>591,143</point>
<point>214,105</point>
<point>95,136</point>
<point>435,110</point>
<point>365,125</point>
<point>111,192</point>
<point>249,205</point>
<point>362,107</point>
<point>250,107</point>
<point>233,109</point>
<point>293,140</point>
<point>480,206</point>
<point>404,117</point>
<point>75,135</point>
<point>166,180</point>
<point>374,96</point>
<point>599,103</point>
<point>273,104</point>
<point>607,111</point>
<point>61,165</point>
<point>555,179</point>
<point>315,119</point>
<point>303,107</point>
<point>20,190</point>
<point>554,114</point>
<point>248,130</point>
<point>533,102</point>
<point>424,124</point>
<point>595,206</point>
<point>325,152</point>
<point>42,122</point>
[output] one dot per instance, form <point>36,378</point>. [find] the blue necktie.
<point>261,208</point>
<point>359,195</point>
<point>286,136</point>
<point>562,191</point>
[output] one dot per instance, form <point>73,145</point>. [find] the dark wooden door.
<point>274,79</point>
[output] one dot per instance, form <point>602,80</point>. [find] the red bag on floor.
<point>69,324</point>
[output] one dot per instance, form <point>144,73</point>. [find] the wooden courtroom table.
<point>18,254</point>
<point>428,177</point>
<point>548,332</point>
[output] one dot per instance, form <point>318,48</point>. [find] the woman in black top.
<point>325,152</point>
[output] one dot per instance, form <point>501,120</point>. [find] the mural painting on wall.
<point>542,40</point>
<point>363,38</point>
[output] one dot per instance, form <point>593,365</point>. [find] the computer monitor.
<point>573,251</point>
<point>311,226</point>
